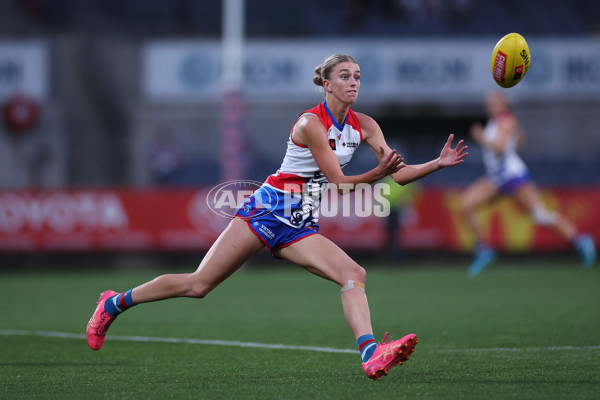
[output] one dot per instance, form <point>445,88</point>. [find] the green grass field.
<point>518,331</point>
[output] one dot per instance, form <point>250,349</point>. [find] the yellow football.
<point>510,60</point>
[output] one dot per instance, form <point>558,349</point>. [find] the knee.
<point>196,294</point>
<point>196,287</point>
<point>465,206</point>
<point>356,273</point>
<point>355,279</point>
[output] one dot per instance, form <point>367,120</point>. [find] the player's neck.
<point>338,109</point>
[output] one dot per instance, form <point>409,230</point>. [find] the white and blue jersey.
<point>506,170</point>
<point>286,207</point>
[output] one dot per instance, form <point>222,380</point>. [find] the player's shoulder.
<point>365,120</point>
<point>308,121</point>
<point>367,123</point>
<point>307,126</point>
<point>312,115</point>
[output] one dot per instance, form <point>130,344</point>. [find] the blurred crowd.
<point>86,130</point>
<point>310,17</point>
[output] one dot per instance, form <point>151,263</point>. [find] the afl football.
<point>510,60</point>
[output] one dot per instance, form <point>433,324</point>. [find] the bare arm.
<point>448,157</point>
<point>309,132</point>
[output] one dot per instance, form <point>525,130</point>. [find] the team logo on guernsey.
<point>332,144</point>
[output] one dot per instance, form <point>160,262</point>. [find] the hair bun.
<point>318,78</point>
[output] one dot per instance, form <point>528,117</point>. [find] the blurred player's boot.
<point>99,323</point>
<point>484,256</point>
<point>587,249</point>
<point>388,355</point>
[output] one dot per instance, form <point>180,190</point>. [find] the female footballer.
<point>322,141</point>
<point>507,175</point>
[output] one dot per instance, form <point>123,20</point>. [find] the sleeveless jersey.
<point>299,177</point>
<point>501,168</point>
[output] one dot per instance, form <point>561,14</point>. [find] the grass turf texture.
<point>491,337</point>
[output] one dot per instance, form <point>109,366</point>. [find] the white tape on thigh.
<point>353,285</point>
<point>542,216</point>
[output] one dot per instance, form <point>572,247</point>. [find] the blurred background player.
<point>317,149</point>
<point>507,175</point>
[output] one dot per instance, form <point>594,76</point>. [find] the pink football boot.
<point>388,355</point>
<point>99,323</point>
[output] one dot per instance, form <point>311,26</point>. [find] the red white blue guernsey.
<point>299,164</point>
<point>286,207</point>
<point>299,173</point>
<point>507,170</point>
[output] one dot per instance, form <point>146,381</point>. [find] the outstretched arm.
<point>448,157</point>
<point>309,132</point>
<point>408,173</point>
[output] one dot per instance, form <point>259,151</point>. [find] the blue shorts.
<point>271,231</point>
<point>510,186</point>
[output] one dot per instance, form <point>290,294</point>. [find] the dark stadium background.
<point>92,120</point>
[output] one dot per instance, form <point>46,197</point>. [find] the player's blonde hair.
<point>324,70</point>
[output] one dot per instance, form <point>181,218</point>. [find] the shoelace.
<point>385,335</point>
<point>103,326</point>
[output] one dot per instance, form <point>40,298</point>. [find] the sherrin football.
<point>510,60</point>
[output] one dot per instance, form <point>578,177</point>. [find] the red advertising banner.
<point>437,223</point>
<point>107,220</point>
<point>82,220</point>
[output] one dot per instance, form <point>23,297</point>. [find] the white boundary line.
<point>66,335</point>
<point>507,349</point>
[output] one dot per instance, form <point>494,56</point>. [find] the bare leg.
<point>323,258</point>
<point>529,197</point>
<point>481,192</point>
<point>229,252</point>
<point>235,245</point>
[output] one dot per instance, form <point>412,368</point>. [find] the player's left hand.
<point>452,156</point>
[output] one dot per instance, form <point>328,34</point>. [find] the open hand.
<point>452,156</point>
